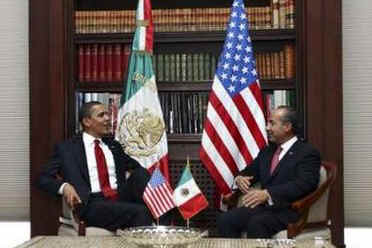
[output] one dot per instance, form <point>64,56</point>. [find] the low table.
<point>118,242</point>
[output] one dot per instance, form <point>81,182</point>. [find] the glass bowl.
<point>161,236</point>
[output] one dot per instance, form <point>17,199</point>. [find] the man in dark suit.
<point>94,175</point>
<point>287,170</point>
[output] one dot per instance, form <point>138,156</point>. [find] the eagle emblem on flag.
<point>140,132</point>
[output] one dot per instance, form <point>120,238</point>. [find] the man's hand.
<point>70,195</point>
<point>243,183</point>
<point>255,197</point>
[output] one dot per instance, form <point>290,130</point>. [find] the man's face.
<point>278,131</point>
<point>98,124</point>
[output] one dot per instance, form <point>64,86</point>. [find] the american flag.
<point>234,130</point>
<point>158,194</point>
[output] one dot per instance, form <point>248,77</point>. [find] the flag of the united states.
<point>234,130</point>
<point>158,194</point>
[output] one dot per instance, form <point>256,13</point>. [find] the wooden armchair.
<point>313,208</point>
<point>72,225</point>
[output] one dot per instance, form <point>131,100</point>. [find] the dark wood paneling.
<point>324,95</point>
<point>39,119</point>
<point>333,124</point>
<point>47,96</point>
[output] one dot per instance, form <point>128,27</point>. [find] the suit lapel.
<point>81,157</point>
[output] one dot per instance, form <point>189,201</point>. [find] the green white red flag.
<point>141,128</point>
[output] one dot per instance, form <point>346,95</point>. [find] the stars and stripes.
<point>234,130</point>
<point>158,194</point>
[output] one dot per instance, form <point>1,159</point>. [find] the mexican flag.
<point>141,129</point>
<point>187,195</point>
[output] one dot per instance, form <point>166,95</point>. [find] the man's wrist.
<point>269,200</point>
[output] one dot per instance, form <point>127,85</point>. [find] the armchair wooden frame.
<point>303,205</point>
<point>81,224</point>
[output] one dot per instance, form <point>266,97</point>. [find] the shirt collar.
<point>89,139</point>
<point>288,144</point>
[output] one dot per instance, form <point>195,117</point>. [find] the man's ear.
<point>86,122</point>
<point>288,126</point>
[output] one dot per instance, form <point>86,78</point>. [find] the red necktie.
<point>275,160</point>
<point>103,176</point>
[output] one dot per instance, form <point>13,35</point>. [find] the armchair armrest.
<point>80,224</point>
<point>306,202</point>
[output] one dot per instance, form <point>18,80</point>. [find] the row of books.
<point>279,15</point>
<point>277,65</point>
<point>109,62</point>
<point>102,62</point>
<point>184,67</point>
<point>184,112</point>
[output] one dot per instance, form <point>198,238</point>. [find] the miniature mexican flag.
<point>187,195</point>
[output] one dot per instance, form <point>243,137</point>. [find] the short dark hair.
<point>86,110</point>
<point>290,116</point>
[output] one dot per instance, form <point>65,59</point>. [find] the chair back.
<point>319,211</point>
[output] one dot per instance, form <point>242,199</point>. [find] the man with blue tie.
<point>90,171</point>
<point>287,170</point>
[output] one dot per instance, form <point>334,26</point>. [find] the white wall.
<point>14,110</point>
<point>357,87</point>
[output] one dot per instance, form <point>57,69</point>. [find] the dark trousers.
<point>128,211</point>
<point>258,222</point>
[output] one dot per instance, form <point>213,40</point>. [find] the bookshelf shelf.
<point>184,138</point>
<point>117,87</point>
<point>175,37</point>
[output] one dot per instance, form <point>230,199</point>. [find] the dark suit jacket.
<point>70,162</point>
<point>296,175</point>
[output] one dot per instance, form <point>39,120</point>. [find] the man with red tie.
<point>93,169</point>
<point>287,170</point>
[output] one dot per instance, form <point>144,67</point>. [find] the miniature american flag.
<point>158,194</point>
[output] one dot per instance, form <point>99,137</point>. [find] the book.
<point>94,61</point>
<point>101,63</point>
<point>290,63</point>
<point>117,68</point>
<point>87,64</point>
<point>81,74</point>
<point>108,60</point>
<point>275,14</point>
<point>125,60</point>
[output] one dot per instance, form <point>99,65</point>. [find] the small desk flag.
<point>158,194</point>
<point>187,195</point>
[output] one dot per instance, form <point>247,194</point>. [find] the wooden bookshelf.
<point>53,83</point>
